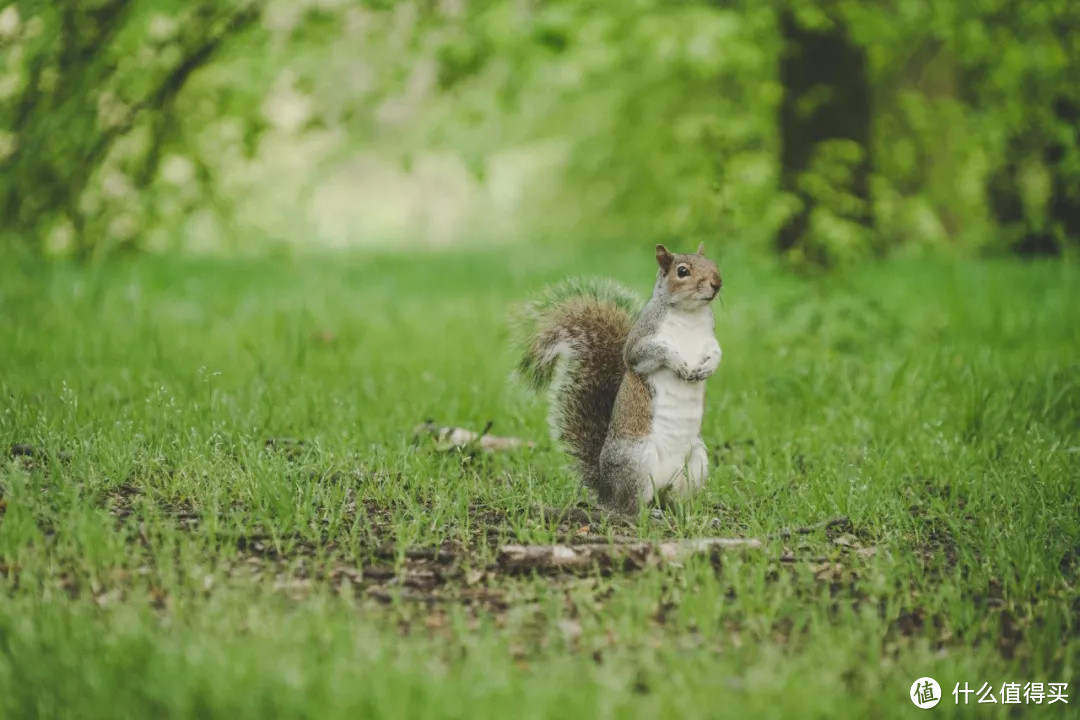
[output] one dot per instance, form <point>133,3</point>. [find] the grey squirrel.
<point>627,387</point>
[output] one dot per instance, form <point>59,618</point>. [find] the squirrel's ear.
<point>664,258</point>
<point>701,249</point>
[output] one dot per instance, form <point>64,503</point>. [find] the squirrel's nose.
<point>716,283</point>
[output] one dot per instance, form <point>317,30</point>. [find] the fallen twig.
<point>570,558</point>
<point>387,551</point>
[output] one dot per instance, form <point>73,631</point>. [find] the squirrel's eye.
<point>683,271</point>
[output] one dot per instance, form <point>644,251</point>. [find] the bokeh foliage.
<point>90,90</point>
<point>224,125</point>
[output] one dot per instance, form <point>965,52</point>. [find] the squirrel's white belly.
<point>678,407</point>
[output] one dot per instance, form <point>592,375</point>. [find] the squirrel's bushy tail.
<point>572,339</point>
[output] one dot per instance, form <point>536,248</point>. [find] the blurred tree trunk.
<point>1029,230</point>
<point>826,98</point>
<point>1065,186</point>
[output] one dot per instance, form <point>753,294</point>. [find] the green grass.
<point>156,559</point>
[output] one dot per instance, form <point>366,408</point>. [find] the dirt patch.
<point>292,448</point>
<point>129,498</point>
<point>824,562</point>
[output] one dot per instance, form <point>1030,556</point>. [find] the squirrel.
<point>627,387</point>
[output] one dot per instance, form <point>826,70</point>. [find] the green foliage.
<point>977,111</point>
<point>195,124</point>
<point>833,235</point>
<point>92,88</point>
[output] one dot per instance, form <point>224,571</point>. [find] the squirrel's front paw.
<point>711,360</point>
<point>682,369</point>
<point>699,373</point>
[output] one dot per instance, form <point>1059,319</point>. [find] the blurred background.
<point>824,131</point>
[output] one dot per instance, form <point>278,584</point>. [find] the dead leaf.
<point>458,438</point>
<point>846,540</point>
<point>570,629</point>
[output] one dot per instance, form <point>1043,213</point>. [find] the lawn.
<point>214,506</point>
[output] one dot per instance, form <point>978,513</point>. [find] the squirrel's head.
<point>687,280</point>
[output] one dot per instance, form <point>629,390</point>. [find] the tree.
<point>89,75</point>
<point>825,121</point>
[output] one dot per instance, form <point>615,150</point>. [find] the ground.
<point>213,503</point>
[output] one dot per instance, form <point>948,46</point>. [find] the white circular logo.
<point>925,693</point>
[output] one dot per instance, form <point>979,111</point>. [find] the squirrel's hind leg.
<point>626,468</point>
<point>696,470</point>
